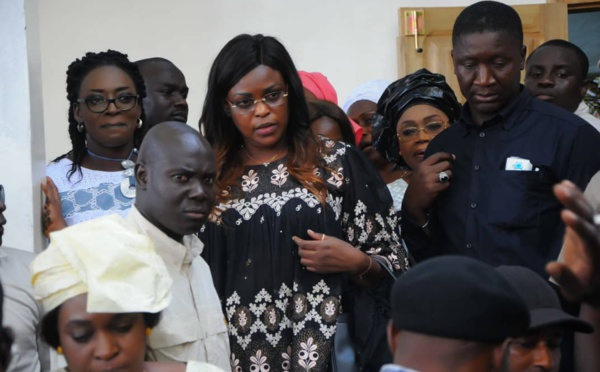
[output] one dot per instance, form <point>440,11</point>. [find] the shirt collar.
<point>507,117</point>
<point>172,252</point>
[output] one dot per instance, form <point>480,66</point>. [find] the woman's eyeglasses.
<point>247,105</point>
<point>99,104</point>
<point>410,134</point>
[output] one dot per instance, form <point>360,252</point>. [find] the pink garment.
<point>319,85</point>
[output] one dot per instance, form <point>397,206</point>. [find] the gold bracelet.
<point>368,268</point>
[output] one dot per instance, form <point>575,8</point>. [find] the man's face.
<point>166,94</point>
<point>487,66</point>
<point>179,185</point>
<point>538,351</point>
<point>554,75</point>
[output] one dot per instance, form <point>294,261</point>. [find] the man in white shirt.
<point>22,313</point>
<point>175,192</point>
<point>556,72</point>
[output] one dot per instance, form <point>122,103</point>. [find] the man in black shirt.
<point>485,189</point>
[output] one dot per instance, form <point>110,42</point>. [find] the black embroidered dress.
<point>281,316</point>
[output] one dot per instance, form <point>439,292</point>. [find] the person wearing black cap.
<point>453,313</point>
<point>539,348</point>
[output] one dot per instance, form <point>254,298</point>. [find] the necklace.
<point>258,161</point>
<point>128,184</point>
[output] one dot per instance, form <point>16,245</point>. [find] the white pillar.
<point>22,153</point>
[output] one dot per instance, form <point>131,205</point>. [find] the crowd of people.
<point>400,232</point>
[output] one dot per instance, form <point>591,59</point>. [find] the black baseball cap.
<point>460,298</point>
<point>541,300</point>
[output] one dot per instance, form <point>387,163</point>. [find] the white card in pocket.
<point>515,163</point>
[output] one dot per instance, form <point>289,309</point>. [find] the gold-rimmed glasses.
<point>247,105</point>
<point>410,134</point>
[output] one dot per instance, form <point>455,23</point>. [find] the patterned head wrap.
<point>117,268</point>
<point>421,87</point>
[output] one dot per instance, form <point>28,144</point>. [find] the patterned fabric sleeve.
<point>368,216</point>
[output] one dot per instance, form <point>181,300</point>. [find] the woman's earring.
<point>59,350</point>
<point>148,331</point>
<point>80,127</point>
<point>139,124</point>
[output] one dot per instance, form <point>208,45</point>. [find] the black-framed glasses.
<point>98,104</point>
<point>410,134</point>
<point>247,105</point>
<point>2,195</point>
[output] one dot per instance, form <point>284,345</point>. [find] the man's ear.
<point>584,88</point>
<point>523,55</point>
<point>141,176</point>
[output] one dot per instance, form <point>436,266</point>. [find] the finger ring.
<point>443,177</point>
<point>323,237</point>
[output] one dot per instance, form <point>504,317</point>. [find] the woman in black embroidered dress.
<point>297,216</point>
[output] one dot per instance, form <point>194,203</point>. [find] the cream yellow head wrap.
<point>117,268</point>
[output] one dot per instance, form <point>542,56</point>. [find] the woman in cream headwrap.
<point>103,288</point>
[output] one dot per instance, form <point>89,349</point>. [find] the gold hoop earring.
<point>59,350</point>
<point>148,331</point>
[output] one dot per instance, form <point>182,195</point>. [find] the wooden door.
<point>541,22</point>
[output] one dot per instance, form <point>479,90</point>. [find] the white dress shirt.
<point>193,326</point>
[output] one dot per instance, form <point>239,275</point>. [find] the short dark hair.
<point>76,72</point>
<point>488,16</point>
<point>582,59</point>
<point>319,109</point>
<point>147,61</point>
<point>49,326</point>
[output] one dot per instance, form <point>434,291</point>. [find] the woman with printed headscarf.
<point>410,113</point>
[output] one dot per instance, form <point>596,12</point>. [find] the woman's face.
<point>362,112</point>
<point>112,127</point>
<point>327,127</point>
<point>262,125</point>
<point>100,342</point>
<point>428,122</point>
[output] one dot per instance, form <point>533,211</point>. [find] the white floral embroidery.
<point>287,363</point>
<point>250,182</point>
<point>308,355</point>
<point>235,364</point>
<point>336,178</point>
<point>259,362</point>
<point>330,308</point>
<point>280,175</point>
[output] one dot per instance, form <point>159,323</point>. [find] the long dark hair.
<point>76,72</point>
<point>240,56</point>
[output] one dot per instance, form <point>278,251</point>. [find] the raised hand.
<point>578,273</point>
<point>52,218</point>
<point>425,185</point>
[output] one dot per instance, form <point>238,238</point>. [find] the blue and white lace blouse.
<point>89,194</point>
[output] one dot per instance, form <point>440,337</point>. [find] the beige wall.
<point>350,41</point>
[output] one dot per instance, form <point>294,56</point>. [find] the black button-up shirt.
<point>500,216</point>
